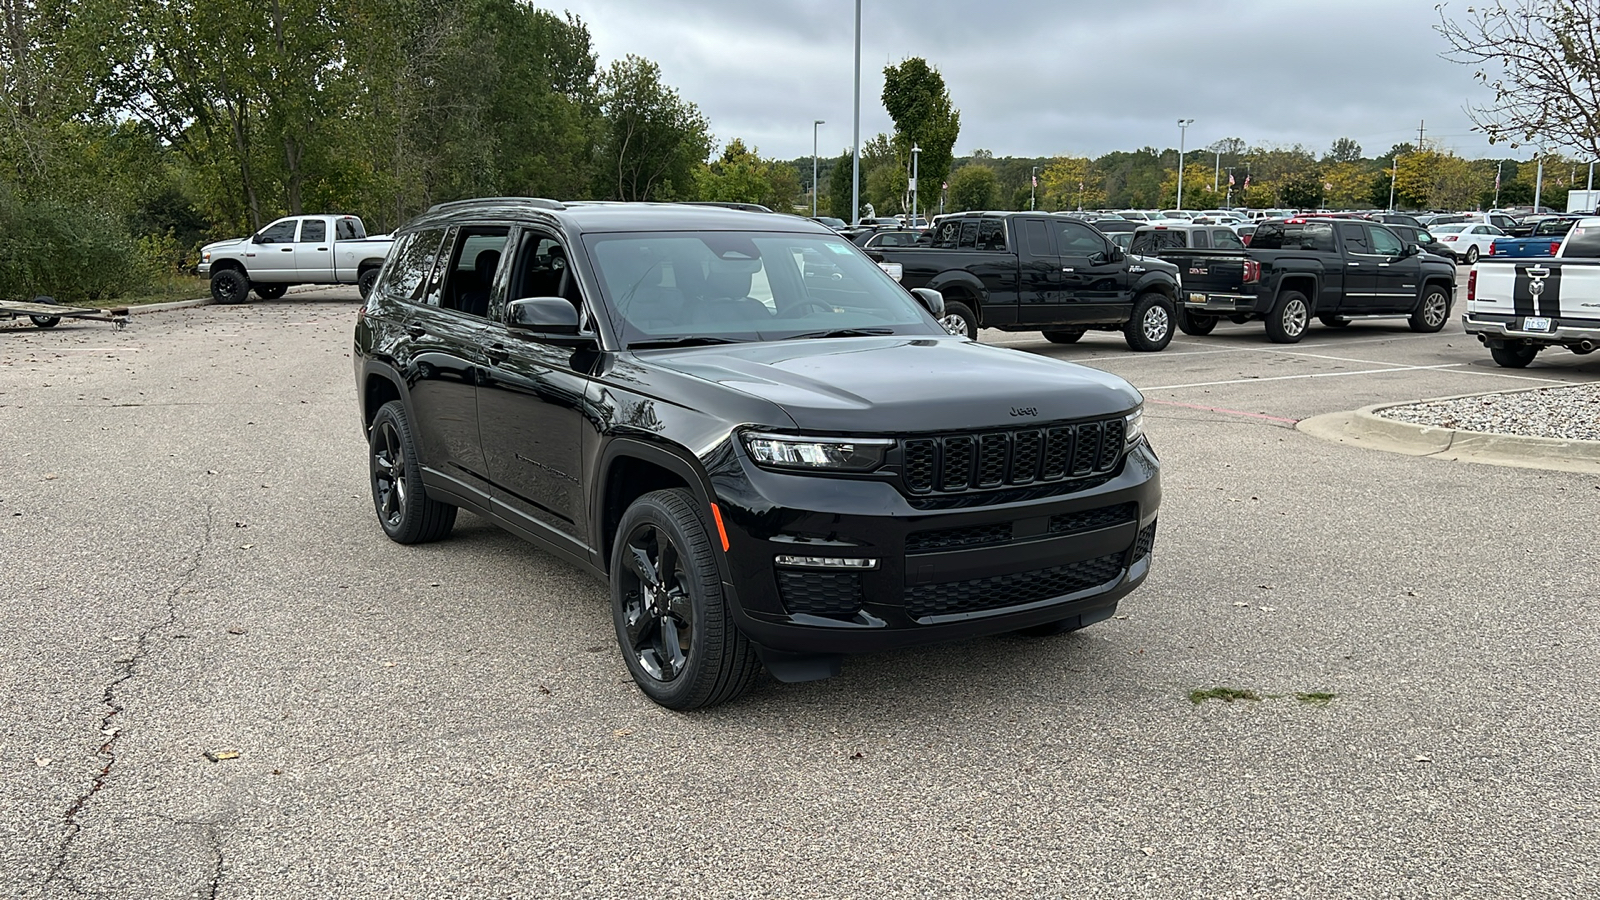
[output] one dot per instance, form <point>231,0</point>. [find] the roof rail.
<point>536,202</point>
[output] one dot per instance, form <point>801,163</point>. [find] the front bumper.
<point>203,270</point>
<point>940,574</point>
<point>1503,328</point>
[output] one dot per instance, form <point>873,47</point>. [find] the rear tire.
<point>271,291</point>
<point>1472,255</point>
<point>45,321</point>
<point>1431,314</point>
<point>406,512</point>
<point>229,286</point>
<point>677,635</point>
<point>1290,316</point>
<point>1064,335</point>
<point>1149,329</point>
<point>1514,356</point>
<point>1195,324</point>
<point>960,319</point>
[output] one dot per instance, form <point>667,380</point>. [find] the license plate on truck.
<point>1198,298</point>
<point>1536,323</point>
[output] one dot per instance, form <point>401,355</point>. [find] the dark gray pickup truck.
<point>1334,270</point>
<point>1040,272</point>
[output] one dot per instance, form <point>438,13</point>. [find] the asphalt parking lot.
<point>190,564</point>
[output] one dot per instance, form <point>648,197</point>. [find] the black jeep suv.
<point>771,451</point>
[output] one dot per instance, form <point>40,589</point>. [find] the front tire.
<point>1432,312</point>
<point>1195,324</point>
<point>271,291</point>
<point>229,286</point>
<point>1290,316</point>
<point>672,620</point>
<point>367,281</point>
<point>406,512</point>
<point>1064,335</point>
<point>1149,329</point>
<point>1514,356</point>
<point>45,321</point>
<point>959,318</point>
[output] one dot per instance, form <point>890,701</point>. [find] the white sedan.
<point>1466,241</point>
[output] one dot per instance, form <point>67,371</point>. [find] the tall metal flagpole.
<point>855,155</point>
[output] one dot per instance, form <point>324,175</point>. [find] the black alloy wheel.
<point>271,291</point>
<point>229,286</point>
<point>673,625</point>
<point>1290,317</point>
<point>406,512</point>
<point>1432,313</point>
<point>1064,335</point>
<point>45,321</point>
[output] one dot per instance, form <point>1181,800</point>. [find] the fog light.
<point>827,562</point>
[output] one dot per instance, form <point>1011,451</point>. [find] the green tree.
<point>915,97</point>
<point>972,187</point>
<point>1540,62</point>
<point>1344,150</point>
<point>653,139</point>
<point>840,186</point>
<point>1071,183</point>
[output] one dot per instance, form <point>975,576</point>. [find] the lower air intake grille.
<point>1089,520</point>
<point>1016,589</point>
<point>820,593</point>
<point>951,538</point>
<point>1145,543</point>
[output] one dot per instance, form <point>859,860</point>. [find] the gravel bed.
<point>1570,413</point>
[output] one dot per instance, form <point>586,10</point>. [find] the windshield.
<point>747,286</point>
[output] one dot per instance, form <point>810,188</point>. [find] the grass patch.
<point>1225,694</point>
<point>173,287</point>
<point>1315,699</point>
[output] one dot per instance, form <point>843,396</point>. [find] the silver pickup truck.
<point>1521,306</point>
<point>291,251</point>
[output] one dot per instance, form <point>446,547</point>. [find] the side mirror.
<point>931,300</point>
<point>543,318</point>
<point>1413,249</point>
<point>1117,255</point>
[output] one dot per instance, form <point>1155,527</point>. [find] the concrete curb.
<point>1365,428</point>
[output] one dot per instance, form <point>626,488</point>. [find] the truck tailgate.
<point>1538,296</point>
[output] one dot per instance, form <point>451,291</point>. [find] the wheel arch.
<point>630,469</point>
<point>1154,281</point>
<point>960,286</point>
<point>1304,282</point>
<point>224,265</point>
<point>379,385</point>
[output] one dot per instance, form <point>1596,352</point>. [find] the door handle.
<point>288,249</point>
<point>1067,269</point>
<point>416,329</point>
<point>497,353</point>
<point>1354,265</point>
<point>322,248</point>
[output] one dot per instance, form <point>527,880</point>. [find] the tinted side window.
<point>1199,240</point>
<point>1227,239</point>
<point>1268,236</point>
<point>1036,238</point>
<point>1354,238</point>
<point>1318,236</point>
<point>313,230</point>
<point>969,234</point>
<point>1384,242</point>
<point>345,230</point>
<point>992,235</point>
<point>410,262</point>
<point>281,233</point>
<point>1583,243</point>
<point>1078,239</point>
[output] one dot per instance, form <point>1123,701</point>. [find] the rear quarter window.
<point>1294,236</point>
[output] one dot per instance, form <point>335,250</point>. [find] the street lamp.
<point>814,125</point>
<point>914,151</point>
<point>1183,132</point>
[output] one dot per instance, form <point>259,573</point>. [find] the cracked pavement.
<point>188,559</point>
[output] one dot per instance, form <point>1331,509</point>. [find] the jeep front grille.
<point>954,463</point>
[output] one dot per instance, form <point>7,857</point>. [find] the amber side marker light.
<point>722,532</point>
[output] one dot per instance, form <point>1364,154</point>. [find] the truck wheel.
<point>671,616</point>
<point>229,286</point>
<point>960,319</point>
<point>1334,321</point>
<point>1064,335</point>
<point>1149,329</point>
<point>1287,322</point>
<point>1196,324</point>
<point>368,280</point>
<point>45,321</point>
<point>1514,356</point>
<point>1432,312</point>
<point>271,291</point>
<point>406,512</point>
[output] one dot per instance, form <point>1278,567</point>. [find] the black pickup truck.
<point>1334,270</point>
<point>1040,272</point>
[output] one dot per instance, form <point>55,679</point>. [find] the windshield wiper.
<point>687,340</point>
<point>845,332</point>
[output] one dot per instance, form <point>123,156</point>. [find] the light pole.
<point>1216,174</point>
<point>1393,177</point>
<point>914,151</point>
<point>855,154</point>
<point>814,125</point>
<point>1033,187</point>
<point>1183,132</point>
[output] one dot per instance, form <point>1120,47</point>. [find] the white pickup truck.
<point>291,251</point>
<point>1518,307</point>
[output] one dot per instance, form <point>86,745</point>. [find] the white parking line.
<point>1272,348</point>
<point>1518,377</point>
<point>1174,387</point>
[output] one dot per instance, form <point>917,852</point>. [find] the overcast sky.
<point>1061,77</point>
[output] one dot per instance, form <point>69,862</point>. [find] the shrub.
<point>70,251</point>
